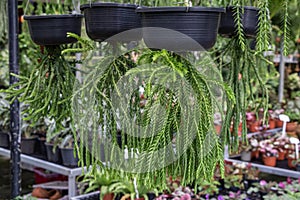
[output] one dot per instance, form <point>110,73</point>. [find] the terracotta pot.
<point>272,123</point>
<point>255,154</point>
<point>40,193</point>
<point>269,161</point>
<point>279,123</point>
<point>254,126</point>
<point>281,155</point>
<point>109,196</point>
<point>55,195</point>
<point>291,126</point>
<point>290,163</point>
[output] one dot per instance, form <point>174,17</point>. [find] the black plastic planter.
<point>249,21</point>
<point>104,20</point>
<point>52,29</point>
<point>53,156</point>
<point>68,158</point>
<point>28,145</point>
<point>192,25</point>
<point>4,140</point>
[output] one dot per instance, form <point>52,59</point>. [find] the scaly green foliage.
<point>48,88</point>
<point>167,137</point>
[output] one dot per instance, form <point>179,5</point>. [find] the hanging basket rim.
<point>37,17</point>
<point>179,9</point>
<point>108,5</point>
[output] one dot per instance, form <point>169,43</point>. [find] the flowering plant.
<point>267,148</point>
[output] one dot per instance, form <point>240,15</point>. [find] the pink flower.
<point>231,195</point>
<point>289,180</point>
<point>185,197</point>
<point>281,185</point>
<point>176,198</point>
<point>263,182</point>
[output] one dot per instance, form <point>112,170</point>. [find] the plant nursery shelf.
<point>280,169</point>
<point>72,173</point>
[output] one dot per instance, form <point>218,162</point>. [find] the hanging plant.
<point>160,136</point>
<point>241,67</point>
<point>48,88</point>
<point>3,23</point>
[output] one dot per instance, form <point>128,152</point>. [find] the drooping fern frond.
<point>171,133</point>
<point>285,26</point>
<point>238,11</point>
<point>264,26</point>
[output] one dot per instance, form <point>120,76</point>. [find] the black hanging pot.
<point>52,29</point>
<point>180,28</point>
<point>104,20</point>
<point>249,21</point>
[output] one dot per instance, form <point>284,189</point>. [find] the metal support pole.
<point>281,71</point>
<point>15,106</point>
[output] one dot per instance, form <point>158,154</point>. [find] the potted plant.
<point>121,66</point>
<point>281,144</point>
<point>255,148</point>
<point>246,149</point>
<point>4,122</point>
<point>28,140</point>
<point>104,20</point>
<point>46,92</point>
<point>296,163</point>
<point>293,111</point>
<point>268,152</point>
<point>48,26</point>
<point>190,25</point>
<point>53,139</point>
<point>68,152</point>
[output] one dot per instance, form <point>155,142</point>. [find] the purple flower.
<point>281,185</point>
<point>220,197</point>
<point>207,196</point>
<point>263,182</point>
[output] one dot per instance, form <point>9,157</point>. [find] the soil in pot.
<point>68,158</point>
<point>180,28</point>
<point>28,145</point>
<point>4,140</point>
<point>104,20</point>
<point>53,29</point>
<point>270,161</point>
<point>249,21</point>
<point>53,156</point>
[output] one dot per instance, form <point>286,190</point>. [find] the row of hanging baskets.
<point>104,20</point>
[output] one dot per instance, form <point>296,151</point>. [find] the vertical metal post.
<point>15,106</point>
<point>281,71</point>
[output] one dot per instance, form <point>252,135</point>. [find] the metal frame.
<point>267,169</point>
<point>72,173</point>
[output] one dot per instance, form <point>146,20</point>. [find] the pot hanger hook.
<point>76,5</point>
